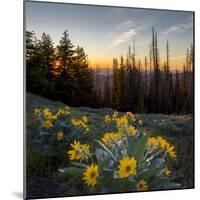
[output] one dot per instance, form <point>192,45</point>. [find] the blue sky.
<point>106,32</point>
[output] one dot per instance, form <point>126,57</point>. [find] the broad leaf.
<point>72,171</point>
<point>147,173</point>
<point>137,148</point>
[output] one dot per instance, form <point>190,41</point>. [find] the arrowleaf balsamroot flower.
<point>142,185</point>
<point>122,121</point>
<point>127,166</point>
<point>78,151</point>
<point>152,142</point>
<point>110,138</point>
<point>75,153</point>
<point>162,142</point>
<point>85,119</point>
<point>170,150</point>
<point>85,148</point>
<point>115,115</point>
<point>60,136</point>
<point>80,123</point>
<point>64,111</point>
<point>131,130</point>
<point>107,119</point>
<point>155,142</point>
<point>47,113</point>
<point>131,116</point>
<point>37,110</point>
<point>90,175</point>
<point>166,172</point>
<point>48,124</point>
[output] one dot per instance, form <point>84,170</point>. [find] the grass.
<point>178,129</point>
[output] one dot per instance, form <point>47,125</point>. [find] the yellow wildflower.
<point>75,153</point>
<point>85,148</point>
<point>152,142</point>
<point>170,150</point>
<point>127,167</point>
<point>109,137</point>
<point>162,142</point>
<point>47,113</point>
<point>122,121</point>
<point>79,151</point>
<point>131,116</point>
<point>83,124</point>
<point>107,119</point>
<point>131,130</point>
<point>79,123</point>
<point>63,111</point>
<point>140,122</point>
<point>74,122</point>
<point>144,133</point>
<point>47,124</point>
<point>60,136</point>
<point>166,172</point>
<point>90,175</point>
<point>142,185</point>
<point>115,114</point>
<point>59,113</point>
<point>37,110</point>
<point>85,120</point>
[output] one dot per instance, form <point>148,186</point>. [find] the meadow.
<point>51,170</point>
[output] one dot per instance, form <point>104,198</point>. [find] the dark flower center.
<point>128,168</point>
<point>92,175</point>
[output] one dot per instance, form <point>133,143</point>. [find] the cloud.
<point>123,37</point>
<point>123,32</point>
<point>178,28</point>
<point>124,25</point>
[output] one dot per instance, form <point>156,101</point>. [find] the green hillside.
<point>43,168</point>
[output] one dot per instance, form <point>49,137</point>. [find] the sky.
<point>106,32</point>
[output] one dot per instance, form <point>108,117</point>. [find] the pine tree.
<point>66,53</point>
<point>141,90</point>
<point>40,55</point>
<point>121,85</point>
<point>156,78</point>
<point>128,80</point>
<point>115,85</point>
<point>47,53</point>
<point>107,93</point>
<point>177,94</point>
<point>82,76</point>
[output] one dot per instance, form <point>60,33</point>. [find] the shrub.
<point>126,158</point>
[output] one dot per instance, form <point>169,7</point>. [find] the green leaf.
<point>122,184</point>
<point>101,154</point>
<point>71,171</point>
<point>107,150</point>
<point>147,174</point>
<point>158,163</point>
<point>136,148</point>
<point>104,159</point>
<point>49,150</point>
<point>44,133</point>
<point>81,165</point>
<point>159,183</point>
